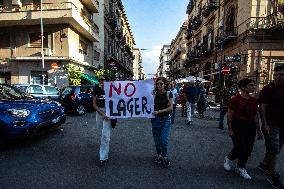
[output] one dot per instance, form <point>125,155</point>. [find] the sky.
<point>153,24</point>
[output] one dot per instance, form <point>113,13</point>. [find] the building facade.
<point>119,41</point>
<point>137,65</point>
<point>244,36</point>
<point>163,69</point>
<point>178,55</point>
<point>69,32</point>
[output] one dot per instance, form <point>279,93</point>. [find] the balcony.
<point>194,55</point>
<point>119,33</point>
<point>196,23</point>
<point>275,21</point>
<point>210,6</point>
<point>93,5</point>
<point>230,34</point>
<point>190,7</point>
<point>53,13</point>
<point>189,34</point>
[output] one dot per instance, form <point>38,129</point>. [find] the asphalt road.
<point>68,158</point>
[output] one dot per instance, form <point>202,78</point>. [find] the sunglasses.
<point>159,84</point>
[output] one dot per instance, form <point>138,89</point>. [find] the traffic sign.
<point>226,70</point>
<point>54,66</point>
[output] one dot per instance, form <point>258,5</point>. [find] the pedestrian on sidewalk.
<point>271,101</point>
<point>175,95</point>
<point>161,123</point>
<point>202,102</point>
<point>182,99</point>
<point>192,97</point>
<point>242,126</point>
<point>102,119</point>
<point>226,93</point>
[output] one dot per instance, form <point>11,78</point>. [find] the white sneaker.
<point>227,164</point>
<point>243,173</point>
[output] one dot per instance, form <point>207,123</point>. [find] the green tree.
<point>106,73</point>
<point>74,73</point>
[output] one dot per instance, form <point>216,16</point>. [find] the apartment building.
<point>178,54</point>
<point>69,32</point>
<point>245,36</point>
<point>137,65</point>
<point>119,40</point>
<point>163,69</point>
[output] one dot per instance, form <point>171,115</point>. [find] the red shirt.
<point>244,109</point>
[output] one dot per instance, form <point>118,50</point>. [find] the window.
<point>50,90</point>
<point>35,40</point>
<point>96,55</point>
<point>4,40</point>
<point>36,89</point>
<point>1,3</point>
<point>36,4</point>
<point>83,48</point>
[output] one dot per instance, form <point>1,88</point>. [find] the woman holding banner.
<point>161,123</point>
<point>102,119</point>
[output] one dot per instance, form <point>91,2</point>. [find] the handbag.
<point>113,123</point>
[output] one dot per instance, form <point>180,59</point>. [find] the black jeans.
<point>243,141</point>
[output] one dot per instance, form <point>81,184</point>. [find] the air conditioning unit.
<point>17,3</point>
<point>47,52</point>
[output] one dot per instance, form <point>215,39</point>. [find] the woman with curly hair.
<point>161,123</point>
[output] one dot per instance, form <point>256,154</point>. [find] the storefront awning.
<point>89,78</point>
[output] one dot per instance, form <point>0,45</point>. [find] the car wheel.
<point>81,110</point>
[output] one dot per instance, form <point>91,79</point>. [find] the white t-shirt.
<point>175,94</point>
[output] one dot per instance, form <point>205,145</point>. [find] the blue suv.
<point>22,115</point>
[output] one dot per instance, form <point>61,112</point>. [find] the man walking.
<point>192,96</point>
<point>271,100</point>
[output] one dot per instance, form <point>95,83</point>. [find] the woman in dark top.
<point>201,104</point>
<point>161,123</point>
<point>242,125</point>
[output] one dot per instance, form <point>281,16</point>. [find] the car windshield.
<point>51,90</point>
<point>37,89</point>
<point>67,91</point>
<point>9,93</point>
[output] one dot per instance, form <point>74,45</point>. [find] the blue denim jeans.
<point>161,127</point>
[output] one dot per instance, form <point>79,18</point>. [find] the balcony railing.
<point>119,33</point>
<point>230,34</point>
<point>210,6</point>
<point>196,23</point>
<point>33,8</point>
<point>195,54</point>
<point>190,7</point>
<point>189,34</point>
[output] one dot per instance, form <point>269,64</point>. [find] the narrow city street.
<point>68,158</point>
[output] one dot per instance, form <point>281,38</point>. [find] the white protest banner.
<point>125,99</point>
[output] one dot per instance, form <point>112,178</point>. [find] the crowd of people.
<point>248,115</point>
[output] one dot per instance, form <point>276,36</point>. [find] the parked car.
<point>40,91</point>
<point>23,115</point>
<point>77,99</point>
